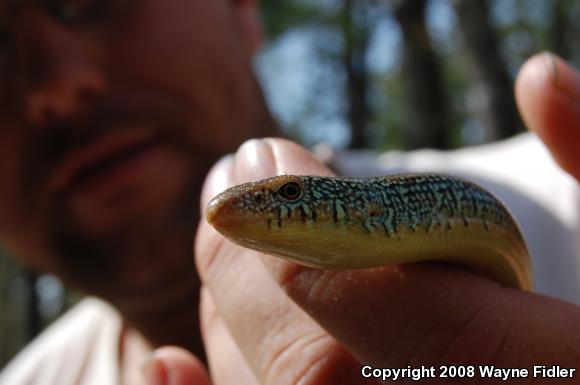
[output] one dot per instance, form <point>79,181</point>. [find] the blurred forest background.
<point>372,74</point>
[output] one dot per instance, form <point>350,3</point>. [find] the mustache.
<point>50,144</point>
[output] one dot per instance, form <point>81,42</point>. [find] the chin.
<point>139,243</point>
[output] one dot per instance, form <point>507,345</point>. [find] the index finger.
<point>280,342</point>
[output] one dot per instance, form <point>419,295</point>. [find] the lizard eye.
<point>290,191</point>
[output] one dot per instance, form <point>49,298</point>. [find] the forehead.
<point>9,7</point>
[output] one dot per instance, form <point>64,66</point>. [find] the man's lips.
<point>86,164</point>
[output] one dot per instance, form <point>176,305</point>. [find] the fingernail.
<point>566,78</point>
<point>155,371</point>
<point>254,160</point>
<point>218,179</point>
<point>550,61</point>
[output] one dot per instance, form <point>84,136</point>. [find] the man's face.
<point>111,112</point>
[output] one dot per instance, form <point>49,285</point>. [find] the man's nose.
<point>61,69</point>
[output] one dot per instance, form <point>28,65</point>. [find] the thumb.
<point>548,97</point>
<point>172,365</point>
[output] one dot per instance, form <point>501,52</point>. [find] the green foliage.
<point>278,16</point>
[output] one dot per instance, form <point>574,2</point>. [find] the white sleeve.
<point>81,348</point>
<point>522,173</point>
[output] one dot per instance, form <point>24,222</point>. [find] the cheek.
<point>11,194</point>
<point>23,231</point>
<point>192,50</point>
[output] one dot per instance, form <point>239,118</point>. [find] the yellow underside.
<point>496,252</point>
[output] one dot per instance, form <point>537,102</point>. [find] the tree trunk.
<point>495,104</point>
<point>424,98</point>
<point>356,41</point>
<point>559,29</point>
<point>34,323</point>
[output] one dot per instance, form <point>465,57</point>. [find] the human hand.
<point>267,321</point>
<point>548,97</point>
<point>423,313</point>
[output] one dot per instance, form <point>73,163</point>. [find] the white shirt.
<point>82,347</point>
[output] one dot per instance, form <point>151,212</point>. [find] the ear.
<point>249,21</point>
